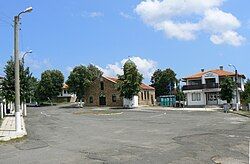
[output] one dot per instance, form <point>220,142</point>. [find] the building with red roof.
<point>203,88</point>
<point>103,92</point>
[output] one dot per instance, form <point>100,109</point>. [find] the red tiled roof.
<point>143,86</point>
<point>146,87</point>
<point>216,71</point>
<point>65,86</point>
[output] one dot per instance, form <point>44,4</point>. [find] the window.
<point>196,97</point>
<point>113,98</point>
<point>64,91</point>
<point>141,95</point>
<point>91,100</point>
<point>148,94</point>
<point>145,95</point>
<point>102,85</point>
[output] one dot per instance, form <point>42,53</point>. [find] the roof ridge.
<point>219,72</point>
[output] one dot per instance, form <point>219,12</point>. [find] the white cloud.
<point>93,14</point>
<point>218,21</point>
<point>145,67</point>
<point>183,19</point>
<point>126,16</point>
<point>69,69</point>
<point>37,64</point>
<point>182,31</point>
<point>228,37</point>
<point>111,69</point>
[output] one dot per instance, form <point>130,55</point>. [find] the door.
<point>212,99</point>
<point>102,100</point>
<point>152,99</point>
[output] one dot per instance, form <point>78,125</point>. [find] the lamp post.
<point>24,100</point>
<point>237,90</point>
<point>17,76</point>
<point>26,53</point>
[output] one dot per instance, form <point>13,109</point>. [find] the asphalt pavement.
<point>72,135</point>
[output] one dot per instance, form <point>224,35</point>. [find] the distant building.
<point>103,92</point>
<point>203,88</point>
<point>65,96</point>
<point>1,79</point>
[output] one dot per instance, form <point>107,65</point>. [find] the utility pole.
<point>17,77</point>
<point>237,87</point>
<point>17,70</point>
<point>237,90</point>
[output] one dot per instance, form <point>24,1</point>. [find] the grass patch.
<point>12,141</point>
<point>97,112</point>
<point>242,112</point>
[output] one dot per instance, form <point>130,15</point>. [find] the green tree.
<point>50,85</point>
<point>129,83</point>
<point>163,82</point>
<point>246,94</point>
<point>81,78</point>
<point>227,89</point>
<point>33,88</point>
<point>8,83</point>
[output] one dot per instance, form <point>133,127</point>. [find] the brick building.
<point>104,93</point>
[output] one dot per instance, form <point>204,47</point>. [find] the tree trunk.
<point>226,106</point>
<point>1,108</point>
<point>81,105</point>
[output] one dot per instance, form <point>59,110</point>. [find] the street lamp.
<point>17,76</point>
<point>26,53</point>
<point>24,101</point>
<point>237,90</point>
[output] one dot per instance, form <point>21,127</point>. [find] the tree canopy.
<point>81,77</point>
<point>50,85</point>
<point>246,93</point>
<point>8,83</point>
<point>164,82</point>
<point>129,83</point>
<point>227,88</point>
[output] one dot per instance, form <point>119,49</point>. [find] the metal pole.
<point>237,90</point>
<point>17,77</point>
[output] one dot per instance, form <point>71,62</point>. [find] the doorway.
<point>102,100</point>
<point>212,98</point>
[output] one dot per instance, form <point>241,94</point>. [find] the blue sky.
<point>66,33</point>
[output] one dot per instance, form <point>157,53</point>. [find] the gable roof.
<point>65,86</point>
<point>219,72</point>
<point>143,86</point>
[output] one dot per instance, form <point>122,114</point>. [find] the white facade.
<point>203,89</point>
<point>131,103</point>
<point>65,94</point>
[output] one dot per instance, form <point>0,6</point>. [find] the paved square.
<point>72,135</point>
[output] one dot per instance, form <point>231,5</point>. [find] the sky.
<point>184,35</point>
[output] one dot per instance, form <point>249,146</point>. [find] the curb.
<point>239,114</point>
<point>16,135</point>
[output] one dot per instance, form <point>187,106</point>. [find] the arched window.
<point>102,85</point>
<point>91,99</point>
<point>114,98</point>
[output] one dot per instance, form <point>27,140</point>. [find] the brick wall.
<point>108,91</point>
<point>146,97</point>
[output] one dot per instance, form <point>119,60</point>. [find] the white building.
<point>203,88</point>
<point>65,96</point>
<point>1,79</point>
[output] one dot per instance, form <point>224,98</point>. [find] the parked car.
<point>33,104</point>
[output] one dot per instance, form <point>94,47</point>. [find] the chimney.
<point>202,70</point>
<point>221,67</point>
